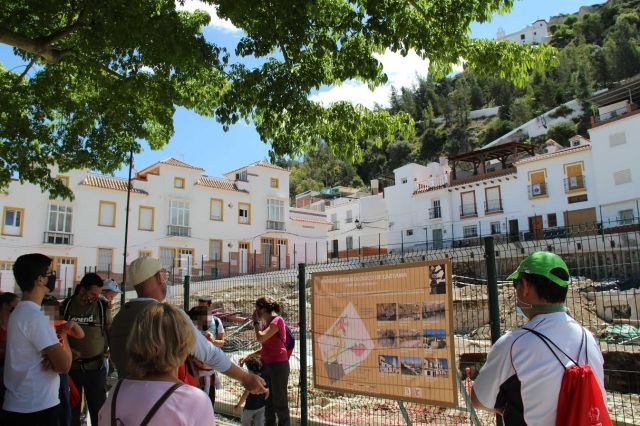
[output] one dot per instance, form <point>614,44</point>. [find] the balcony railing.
<point>435,213</point>
<point>537,190</point>
<point>348,220</point>
<point>178,231</point>
<point>335,226</point>
<point>574,183</point>
<point>275,225</point>
<point>493,206</point>
<point>58,238</point>
<point>468,210</point>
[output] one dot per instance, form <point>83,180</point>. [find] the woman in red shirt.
<point>271,334</point>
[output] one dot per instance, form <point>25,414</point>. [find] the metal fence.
<point>603,296</point>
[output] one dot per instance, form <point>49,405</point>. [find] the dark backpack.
<point>289,340</point>
<point>580,399</point>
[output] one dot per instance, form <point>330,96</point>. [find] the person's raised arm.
<point>267,333</point>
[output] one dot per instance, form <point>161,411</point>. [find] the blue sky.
<point>202,142</point>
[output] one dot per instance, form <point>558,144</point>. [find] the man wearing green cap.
<point>522,376</point>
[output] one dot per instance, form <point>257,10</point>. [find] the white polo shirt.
<point>522,372</point>
<point>30,388</point>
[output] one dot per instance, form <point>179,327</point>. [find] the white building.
<point>535,33</point>
<point>615,140</point>
<point>358,225</point>
<point>193,222</point>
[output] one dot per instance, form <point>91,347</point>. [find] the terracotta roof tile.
<point>173,162</point>
<point>554,154</point>
<point>109,182</point>
<point>218,183</point>
<point>260,163</point>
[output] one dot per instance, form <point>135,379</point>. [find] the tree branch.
<point>63,32</point>
<point>50,54</point>
<point>26,70</point>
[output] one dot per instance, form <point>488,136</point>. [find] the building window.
<point>179,212</point>
<point>436,212</point>
<point>215,250</point>
<point>616,139</point>
<point>145,253</point>
<point>60,218</point>
<point>470,231</point>
<point>621,177</point>
<point>242,176</point>
<point>244,245</point>
<point>468,204</point>
<point>334,222</point>
<point>274,183</point>
<point>538,184</point>
<point>349,217</point>
<point>409,232</point>
<point>496,228</point>
<point>167,257</point>
<point>12,221</point>
<point>107,214</point>
<point>404,180</point>
<point>63,179</point>
<point>493,200</point>
<point>244,213</point>
<point>349,242</point>
<point>216,211</point>
<point>171,257</point>
<point>575,177</point>
<point>522,37</point>
<point>146,218</point>
<point>275,214</point>
<point>105,260</point>
<point>626,217</point>
<point>552,220</point>
<point>178,182</point>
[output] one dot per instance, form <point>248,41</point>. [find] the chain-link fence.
<point>603,296</point>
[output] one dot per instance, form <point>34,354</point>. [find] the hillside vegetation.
<point>596,48</point>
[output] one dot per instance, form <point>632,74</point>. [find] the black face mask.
<point>51,282</point>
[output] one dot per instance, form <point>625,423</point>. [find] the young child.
<point>198,316</point>
<point>51,308</point>
<point>253,412</point>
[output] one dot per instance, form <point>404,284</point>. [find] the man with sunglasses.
<point>522,376</point>
<point>91,313</point>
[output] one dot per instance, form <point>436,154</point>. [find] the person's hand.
<point>46,364</point>
<point>67,326</point>
<point>242,360</point>
<point>236,407</point>
<point>75,354</point>
<point>254,384</point>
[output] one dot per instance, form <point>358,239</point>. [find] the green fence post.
<point>302,326</point>
<point>185,302</point>
<point>492,290</point>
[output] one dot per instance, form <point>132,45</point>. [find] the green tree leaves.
<point>105,75</point>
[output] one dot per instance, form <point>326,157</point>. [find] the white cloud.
<point>402,71</point>
<point>216,21</point>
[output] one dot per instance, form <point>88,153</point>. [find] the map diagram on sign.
<point>345,345</point>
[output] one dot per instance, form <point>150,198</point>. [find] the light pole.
<point>126,233</point>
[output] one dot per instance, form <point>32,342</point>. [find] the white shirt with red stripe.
<point>520,356</point>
